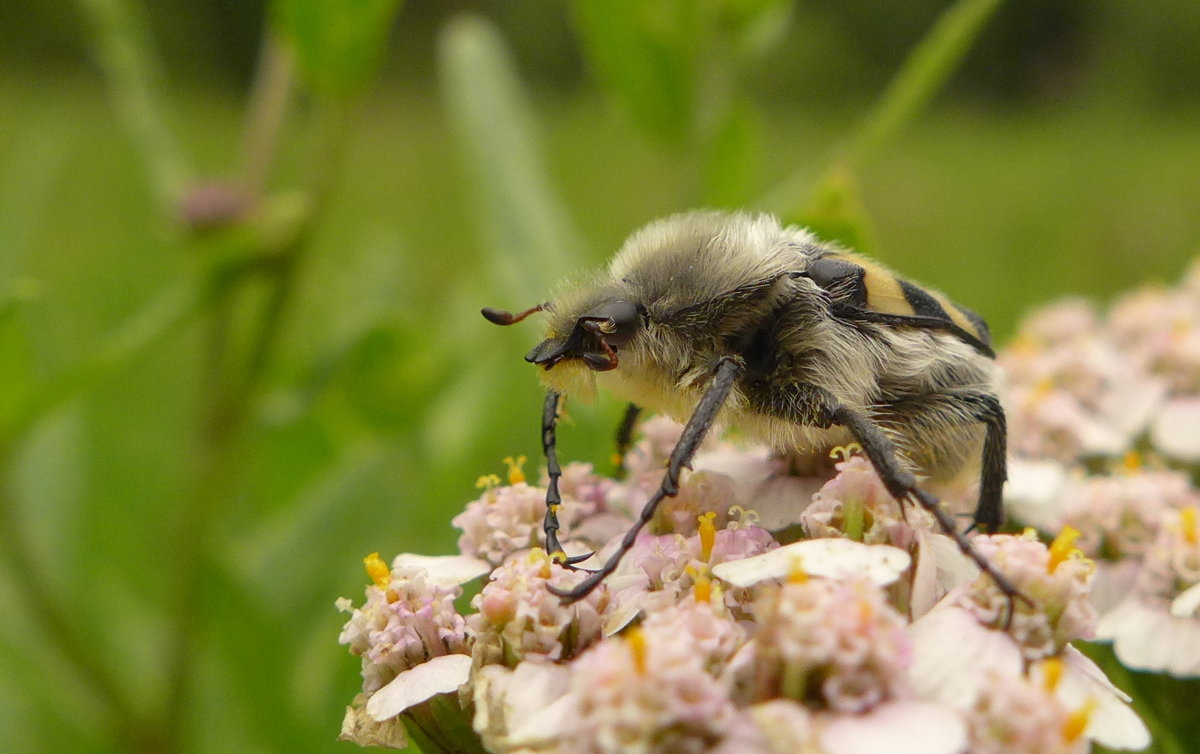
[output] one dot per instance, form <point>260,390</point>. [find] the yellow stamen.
<point>1187,524</point>
<point>1131,463</point>
<point>538,555</point>
<point>843,452</point>
<point>637,647</point>
<point>487,481</point>
<point>1077,722</point>
<point>708,535</point>
<point>1063,548</point>
<point>377,569</point>
<point>702,588</point>
<point>796,572</point>
<point>1052,670</point>
<point>515,474</point>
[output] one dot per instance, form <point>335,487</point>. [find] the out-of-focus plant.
<point>247,233</point>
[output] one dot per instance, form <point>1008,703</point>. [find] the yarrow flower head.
<point>1055,579</point>
<point>841,620</point>
<point>1017,715</point>
<point>519,618</point>
<point>405,621</point>
<point>413,646</point>
<point>1103,411</point>
<point>831,645</point>
<point>646,691</point>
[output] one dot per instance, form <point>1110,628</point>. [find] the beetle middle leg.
<point>946,418</point>
<point>814,406</point>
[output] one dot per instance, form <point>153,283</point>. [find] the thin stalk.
<point>122,49</point>
<point>270,96</point>
<point>924,73</point>
<point>230,384</point>
<point>211,489</point>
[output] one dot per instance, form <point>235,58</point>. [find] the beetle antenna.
<point>501,317</point>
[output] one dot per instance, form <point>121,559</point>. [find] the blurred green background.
<point>243,246</point>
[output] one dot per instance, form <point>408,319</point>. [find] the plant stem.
<point>924,73</point>
<point>269,98</point>
<point>122,49</point>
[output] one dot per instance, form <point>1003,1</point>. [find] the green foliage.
<point>338,43</point>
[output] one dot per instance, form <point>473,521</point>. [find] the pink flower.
<point>647,691</point>
<point>1055,579</point>
<point>405,620</point>
<point>519,619</point>
<point>830,645</point>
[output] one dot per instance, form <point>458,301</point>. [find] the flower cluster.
<point>1104,418</point>
<point>851,625</point>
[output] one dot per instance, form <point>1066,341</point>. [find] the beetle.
<point>713,316</point>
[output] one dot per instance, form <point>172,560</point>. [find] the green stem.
<point>924,73</point>
<point>123,51</point>
<point>229,387</point>
<point>222,414</point>
<point>269,99</point>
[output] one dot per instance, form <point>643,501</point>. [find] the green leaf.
<point>339,43</point>
<point>524,222</point>
<point>836,212</point>
<point>733,159</point>
<point>121,44</point>
<point>924,73</point>
<point>646,52</point>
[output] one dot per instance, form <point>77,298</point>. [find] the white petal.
<point>1130,407</point>
<point>1112,583</point>
<point>1033,494</point>
<point>781,499</point>
<point>438,675</point>
<point>1101,439</point>
<point>1184,606</point>
<point>524,707</point>
<point>1176,430</point>
<point>899,727</point>
<point>622,616</point>
<point>953,567</point>
<point>924,583</point>
<point>537,704</point>
<point>954,656</point>
<point>827,557</point>
<point>1148,639</point>
<point>444,570</point>
<point>1113,723</point>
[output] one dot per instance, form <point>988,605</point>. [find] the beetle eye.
<point>617,320</point>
